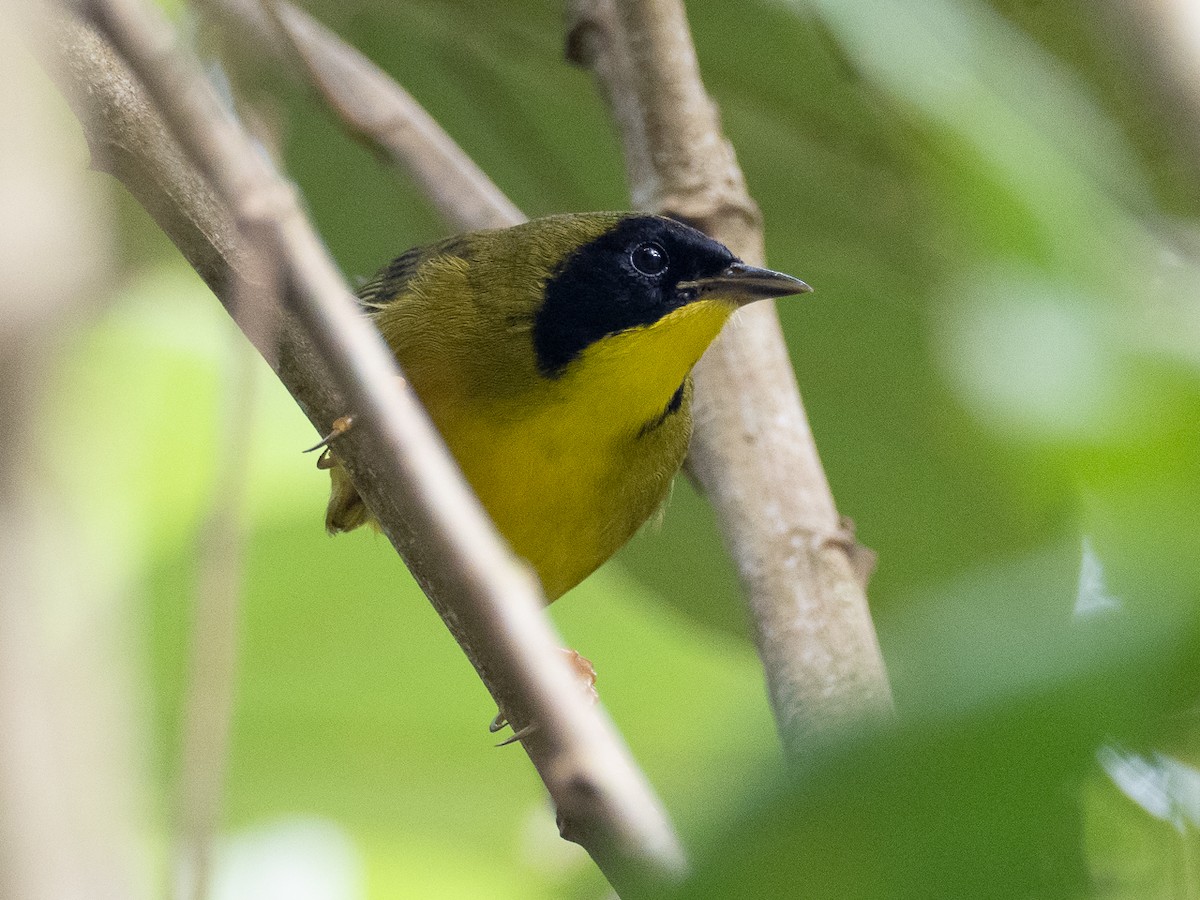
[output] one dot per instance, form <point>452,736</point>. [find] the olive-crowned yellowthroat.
<point>555,359</point>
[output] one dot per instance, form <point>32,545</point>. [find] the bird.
<point>555,359</point>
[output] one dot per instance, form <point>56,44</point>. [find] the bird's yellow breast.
<point>571,468</point>
<point>554,357</point>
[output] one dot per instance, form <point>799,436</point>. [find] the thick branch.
<point>70,820</point>
<point>488,600</point>
<point>752,452</point>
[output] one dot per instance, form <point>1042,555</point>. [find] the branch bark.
<point>332,362</point>
<point>752,452</point>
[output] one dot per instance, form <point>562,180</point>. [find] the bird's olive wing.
<point>390,281</point>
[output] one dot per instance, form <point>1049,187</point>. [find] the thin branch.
<point>255,296</point>
<point>212,676</point>
<point>796,557</point>
<point>488,600</point>
<point>372,107</point>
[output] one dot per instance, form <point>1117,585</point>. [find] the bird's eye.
<point>649,259</point>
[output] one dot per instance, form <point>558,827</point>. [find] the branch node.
<point>844,538</point>
<point>587,30</point>
<point>578,792</point>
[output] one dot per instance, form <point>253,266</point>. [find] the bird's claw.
<point>340,426</point>
<point>518,735</point>
<point>587,675</point>
<point>501,721</point>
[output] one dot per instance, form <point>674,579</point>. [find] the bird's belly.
<point>568,499</point>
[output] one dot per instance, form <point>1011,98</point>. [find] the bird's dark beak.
<point>744,284</point>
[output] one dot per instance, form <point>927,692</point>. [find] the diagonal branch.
<point>331,361</point>
<point>796,557</point>
<point>376,110</point>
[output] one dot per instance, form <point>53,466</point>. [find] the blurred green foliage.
<point>1001,363</point>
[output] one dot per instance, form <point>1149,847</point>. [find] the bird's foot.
<point>587,677</point>
<point>341,425</point>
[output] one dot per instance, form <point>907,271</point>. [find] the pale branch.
<point>255,298</point>
<point>591,43</point>
<point>752,452</point>
<point>71,826</point>
<point>332,363</point>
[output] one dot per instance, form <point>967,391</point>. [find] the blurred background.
<point>996,203</point>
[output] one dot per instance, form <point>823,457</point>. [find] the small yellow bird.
<point>555,359</point>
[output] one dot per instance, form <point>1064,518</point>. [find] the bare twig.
<point>255,296</point>
<point>752,452</point>
<point>69,783</point>
<point>372,107</point>
<point>399,466</point>
<point>212,677</point>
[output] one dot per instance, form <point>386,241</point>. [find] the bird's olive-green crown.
<point>590,275</point>
<point>504,311</point>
